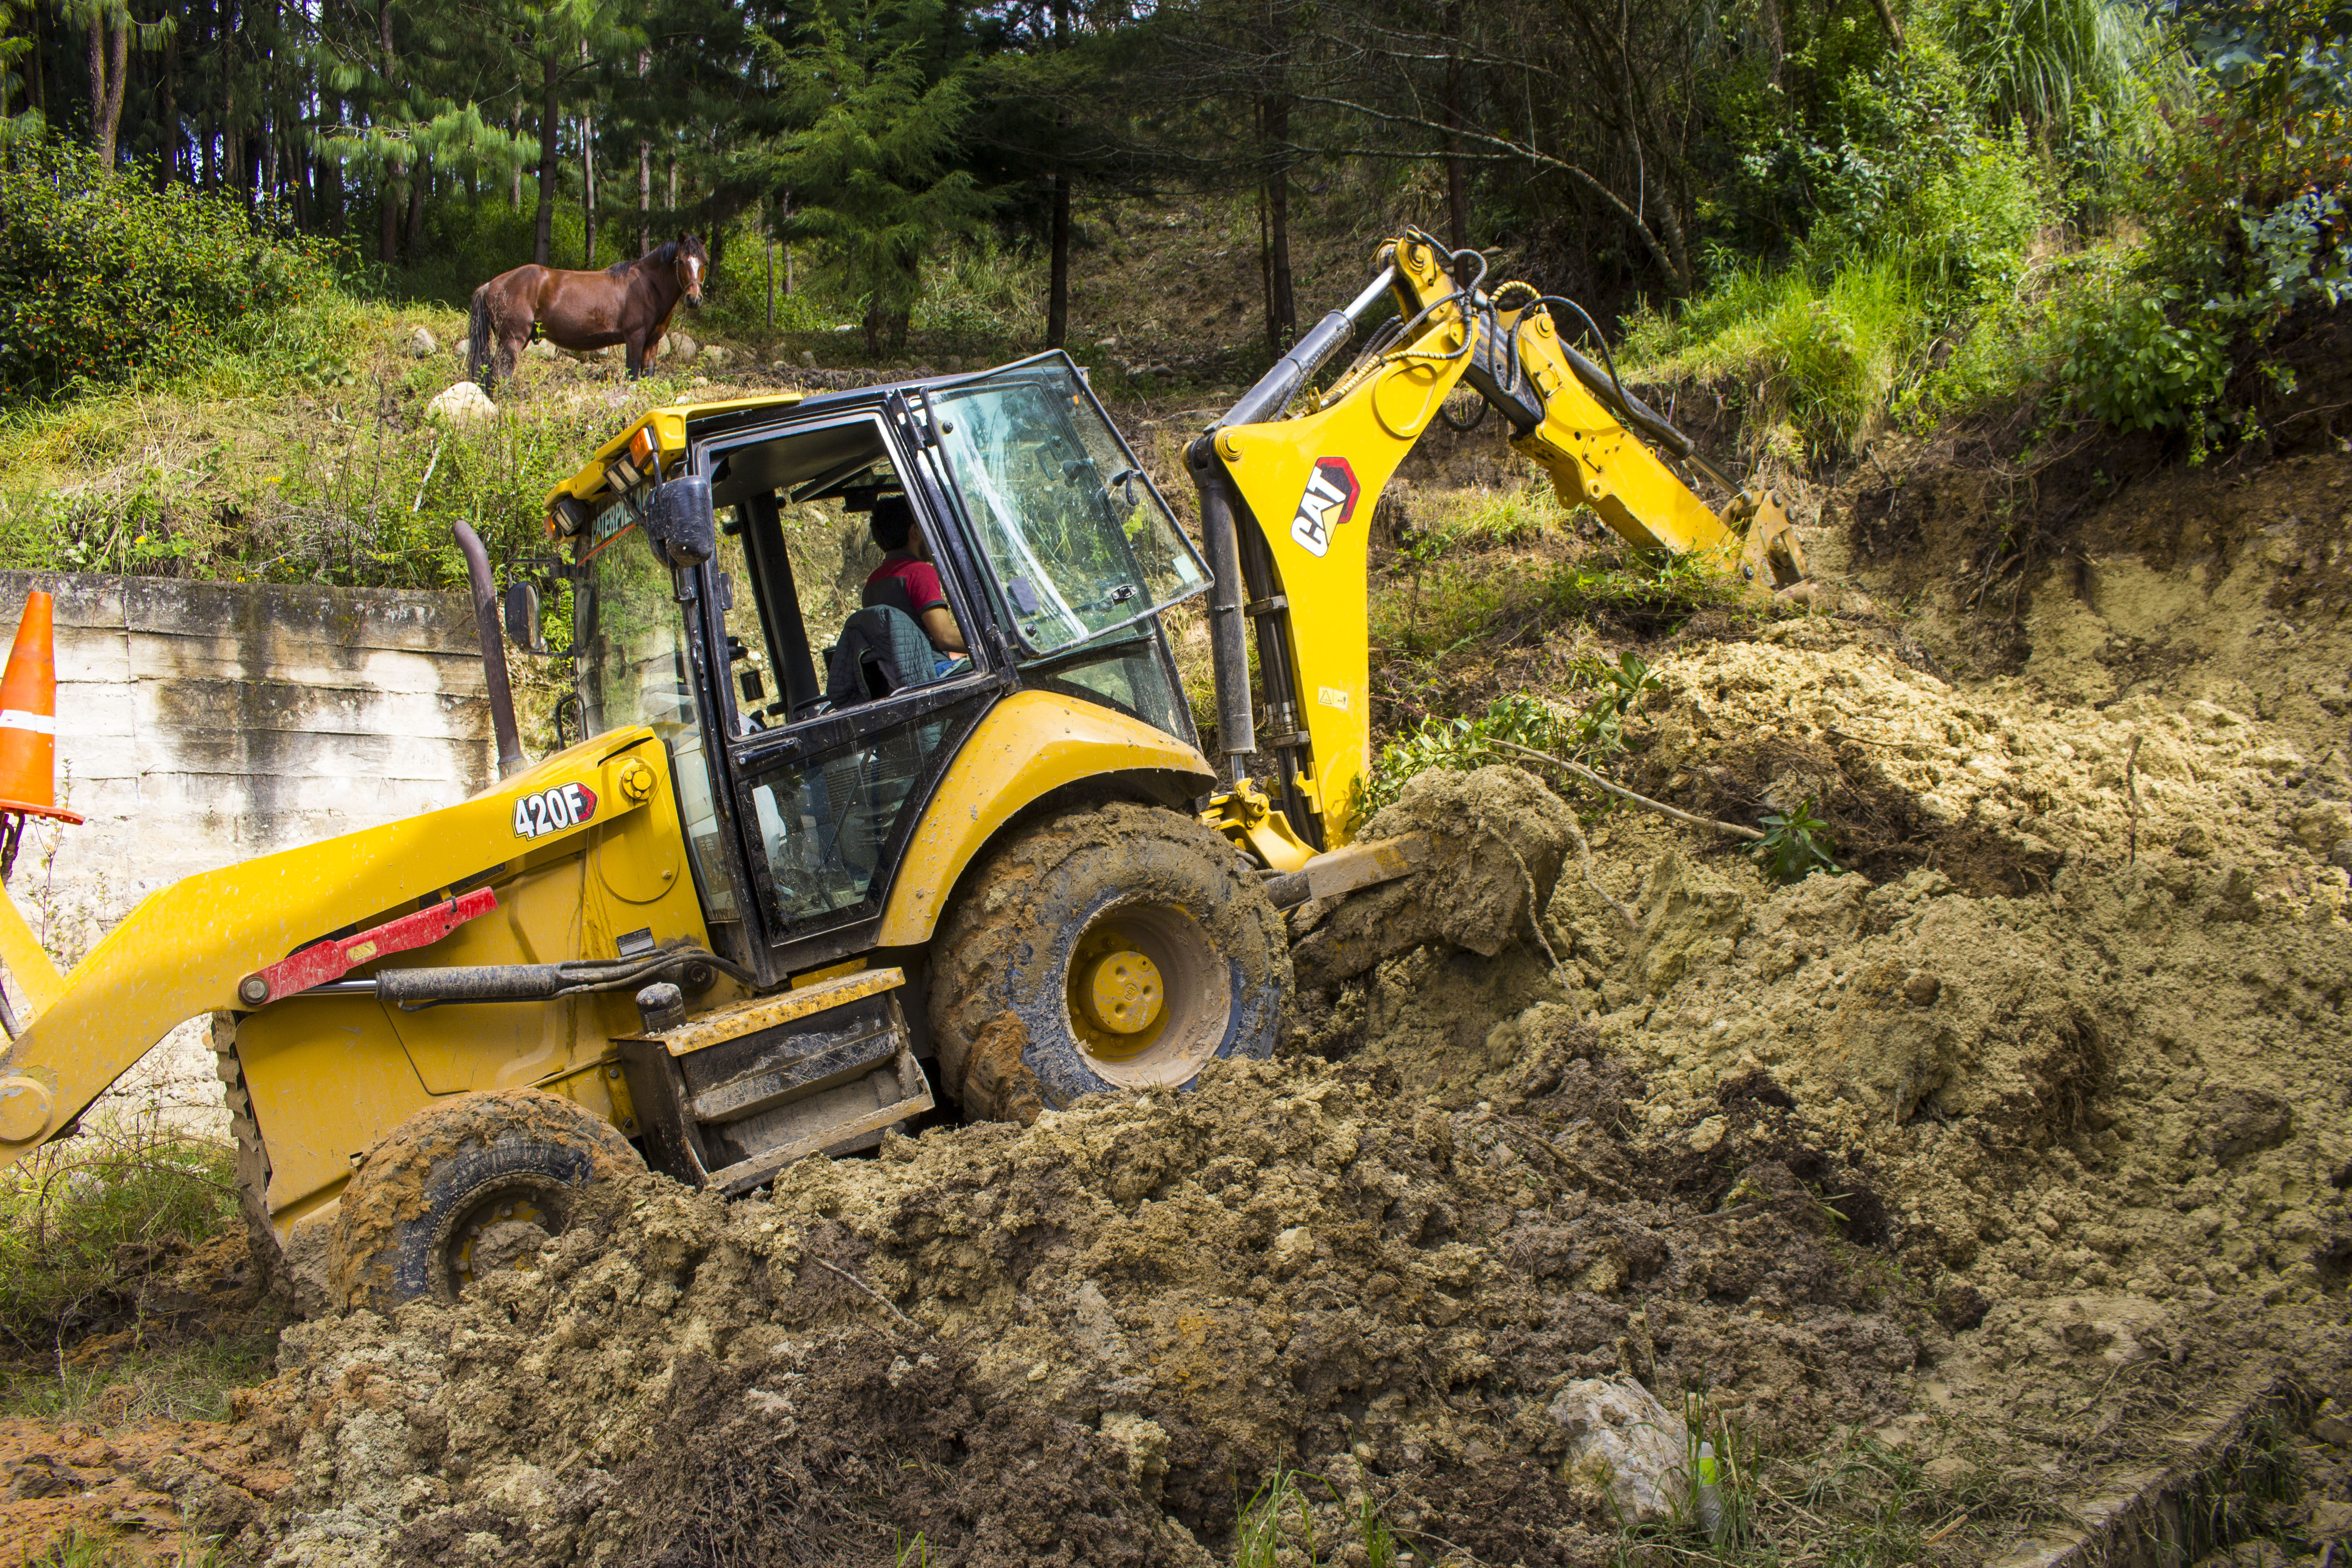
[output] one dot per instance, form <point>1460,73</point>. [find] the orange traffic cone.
<point>28,718</point>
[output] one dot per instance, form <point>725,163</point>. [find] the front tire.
<point>1123,947</point>
<point>469,1185</point>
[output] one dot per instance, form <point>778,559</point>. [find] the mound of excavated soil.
<point>1074,1342</point>
<point>2014,1181</point>
<point>2002,788</point>
<point>2028,1152</point>
<point>2135,1076</point>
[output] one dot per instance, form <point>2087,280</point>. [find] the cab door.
<point>837,723</point>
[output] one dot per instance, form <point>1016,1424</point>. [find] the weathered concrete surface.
<point>203,723</point>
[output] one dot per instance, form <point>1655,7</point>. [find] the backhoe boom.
<point>1286,500</point>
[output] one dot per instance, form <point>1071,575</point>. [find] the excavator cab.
<point>805,730</point>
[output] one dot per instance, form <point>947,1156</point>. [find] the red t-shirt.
<point>913,586</point>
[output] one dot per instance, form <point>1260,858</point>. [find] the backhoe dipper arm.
<point>1286,503</point>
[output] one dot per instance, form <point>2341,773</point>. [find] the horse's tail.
<point>477,339</point>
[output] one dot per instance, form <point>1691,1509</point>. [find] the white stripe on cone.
<point>17,719</point>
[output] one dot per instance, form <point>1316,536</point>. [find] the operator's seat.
<point>881,650</point>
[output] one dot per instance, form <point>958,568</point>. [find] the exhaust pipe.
<point>494,648</point>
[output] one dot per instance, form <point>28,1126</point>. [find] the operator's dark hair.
<point>893,521</point>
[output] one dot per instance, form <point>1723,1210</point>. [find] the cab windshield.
<point>1075,539</point>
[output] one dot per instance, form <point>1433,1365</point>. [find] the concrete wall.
<point>202,723</point>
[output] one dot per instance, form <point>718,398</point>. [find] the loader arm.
<point>1287,503</point>
<point>184,950</point>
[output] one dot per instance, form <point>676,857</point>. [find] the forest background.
<point>1848,215</point>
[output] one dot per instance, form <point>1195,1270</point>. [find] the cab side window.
<point>828,554</point>
<point>807,646</point>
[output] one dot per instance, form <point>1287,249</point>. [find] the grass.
<point>1819,361</point>
<point>1457,599</point>
<point>305,456</point>
<point>1483,520</point>
<point>80,1550</point>
<point>300,451</point>
<point>71,1208</point>
<point>89,1227</point>
<point>1282,1525</point>
<point>197,1381</point>
<point>1856,1503</point>
<point>984,297</point>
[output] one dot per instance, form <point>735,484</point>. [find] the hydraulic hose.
<point>411,989</point>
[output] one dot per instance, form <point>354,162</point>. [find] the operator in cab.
<point>907,581</point>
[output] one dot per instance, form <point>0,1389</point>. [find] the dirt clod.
<point>1496,837</point>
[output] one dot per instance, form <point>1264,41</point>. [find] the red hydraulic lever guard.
<point>328,961</point>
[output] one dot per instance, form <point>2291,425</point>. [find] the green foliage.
<point>1461,744</point>
<point>1817,355</point>
<point>871,163</point>
<point>76,1549</point>
<point>2246,222</point>
<point>1795,844</point>
<point>1919,219</point>
<point>1458,599</point>
<point>1588,734</point>
<point>1806,145</point>
<point>2125,360</point>
<point>14,45</point>
<point>363,499</point>
<point>102,277</point>
<point>980,293</point>
<point>1483,520</point>
<point>465,243</point>
<point>2074,73</point>
<point>1599,729</point>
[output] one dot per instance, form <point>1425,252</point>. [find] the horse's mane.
<point>662,255</point>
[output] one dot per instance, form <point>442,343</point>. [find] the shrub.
<point>104,277</point>
<point>2125,361</point>
<point>2245,212</point>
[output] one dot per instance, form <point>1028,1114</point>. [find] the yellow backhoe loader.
<point>804,876</point>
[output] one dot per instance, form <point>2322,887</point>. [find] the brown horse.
<point>628,302</point>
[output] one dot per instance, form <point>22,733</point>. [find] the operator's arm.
<point>939,626</point>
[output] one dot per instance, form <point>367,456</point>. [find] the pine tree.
<point>113,31</point>
<point>878,102</point>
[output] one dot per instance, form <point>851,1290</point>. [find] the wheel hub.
<point>1123,993</point>
<point>504,1234</point>
<point>1147,996</point>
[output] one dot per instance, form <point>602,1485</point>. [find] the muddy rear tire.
<point>252,1161</point>
<point>467,1185</point>
<point>1034,971</point>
